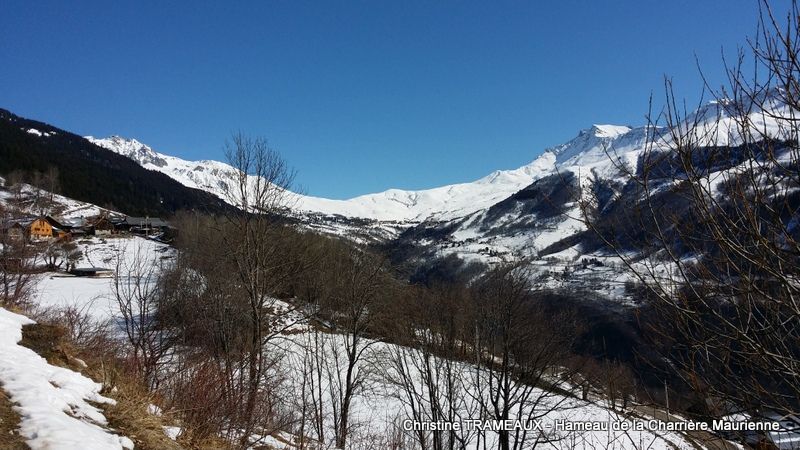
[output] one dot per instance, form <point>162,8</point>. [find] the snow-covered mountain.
<point>544,224</point>
<point>210,176</point>
<point>530,212</point>
<point>442,203</point>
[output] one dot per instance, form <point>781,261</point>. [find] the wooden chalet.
<point>34,229</point>
<point>39,229</point>
<point>60,230</point>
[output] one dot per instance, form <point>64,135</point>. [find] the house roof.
<point>27,221</point>
<point>91,269</point>
<point>24,221</point>
<point>56,223</point>
<point>75,222</point>
<point>146,221</point>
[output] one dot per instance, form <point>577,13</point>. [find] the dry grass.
<point>50,342</point>
<point>205,444</point>
<point>129,416</point>
<point>10,438</point>
<point>97,357</point>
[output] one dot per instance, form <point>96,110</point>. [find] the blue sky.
<point>360,96</point>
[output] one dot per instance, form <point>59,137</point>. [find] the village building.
<point>78,227</point>
<point>39,229</point>
<point>103,226</point>
<point>13,232</point>
<point>147,226</point>
<point>34,229</point>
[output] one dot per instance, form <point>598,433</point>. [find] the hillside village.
<point>56,239</point>
<point>33,229</point>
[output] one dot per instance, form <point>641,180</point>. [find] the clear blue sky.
<point>359,96</point>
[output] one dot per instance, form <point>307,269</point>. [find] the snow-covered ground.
<point>96,295</point>
<point>376,410</point>
<point>61,207</point>
<point>381,406</point>
<point>52,402</point>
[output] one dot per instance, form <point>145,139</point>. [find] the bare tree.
<point>319,349</point>
<point>360,284</point>
<point>262,179</point>
<point>58,252</point>
<point>17,262</point>
<point>139,299</point>
<point>314,386</point>
<point>427,370</point>
<point>51,182</point>
<point>224,332</point>
<point>86,331</point>
<point>719,216</point>
<point>260,189</point>
<point>521,354</point>
<point>15,181</point>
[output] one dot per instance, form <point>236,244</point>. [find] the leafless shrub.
<point>86,331</point>
<point>139,296</point>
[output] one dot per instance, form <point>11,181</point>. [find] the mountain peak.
<point>588,141</point>
<point>133,149</point>
<point>609,131</point>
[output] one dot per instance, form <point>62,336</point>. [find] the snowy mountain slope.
<point>542,223</point>
<point>30,200</point>
<point>588,140</point>
<point>444,202</point>
<point>538,208</point>
<point>441,203</point>
<point>594,157</point>
<point>210,176</point>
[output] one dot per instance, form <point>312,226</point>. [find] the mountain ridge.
<point>439,203</point>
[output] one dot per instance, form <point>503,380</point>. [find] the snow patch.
<point>53,402</point>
